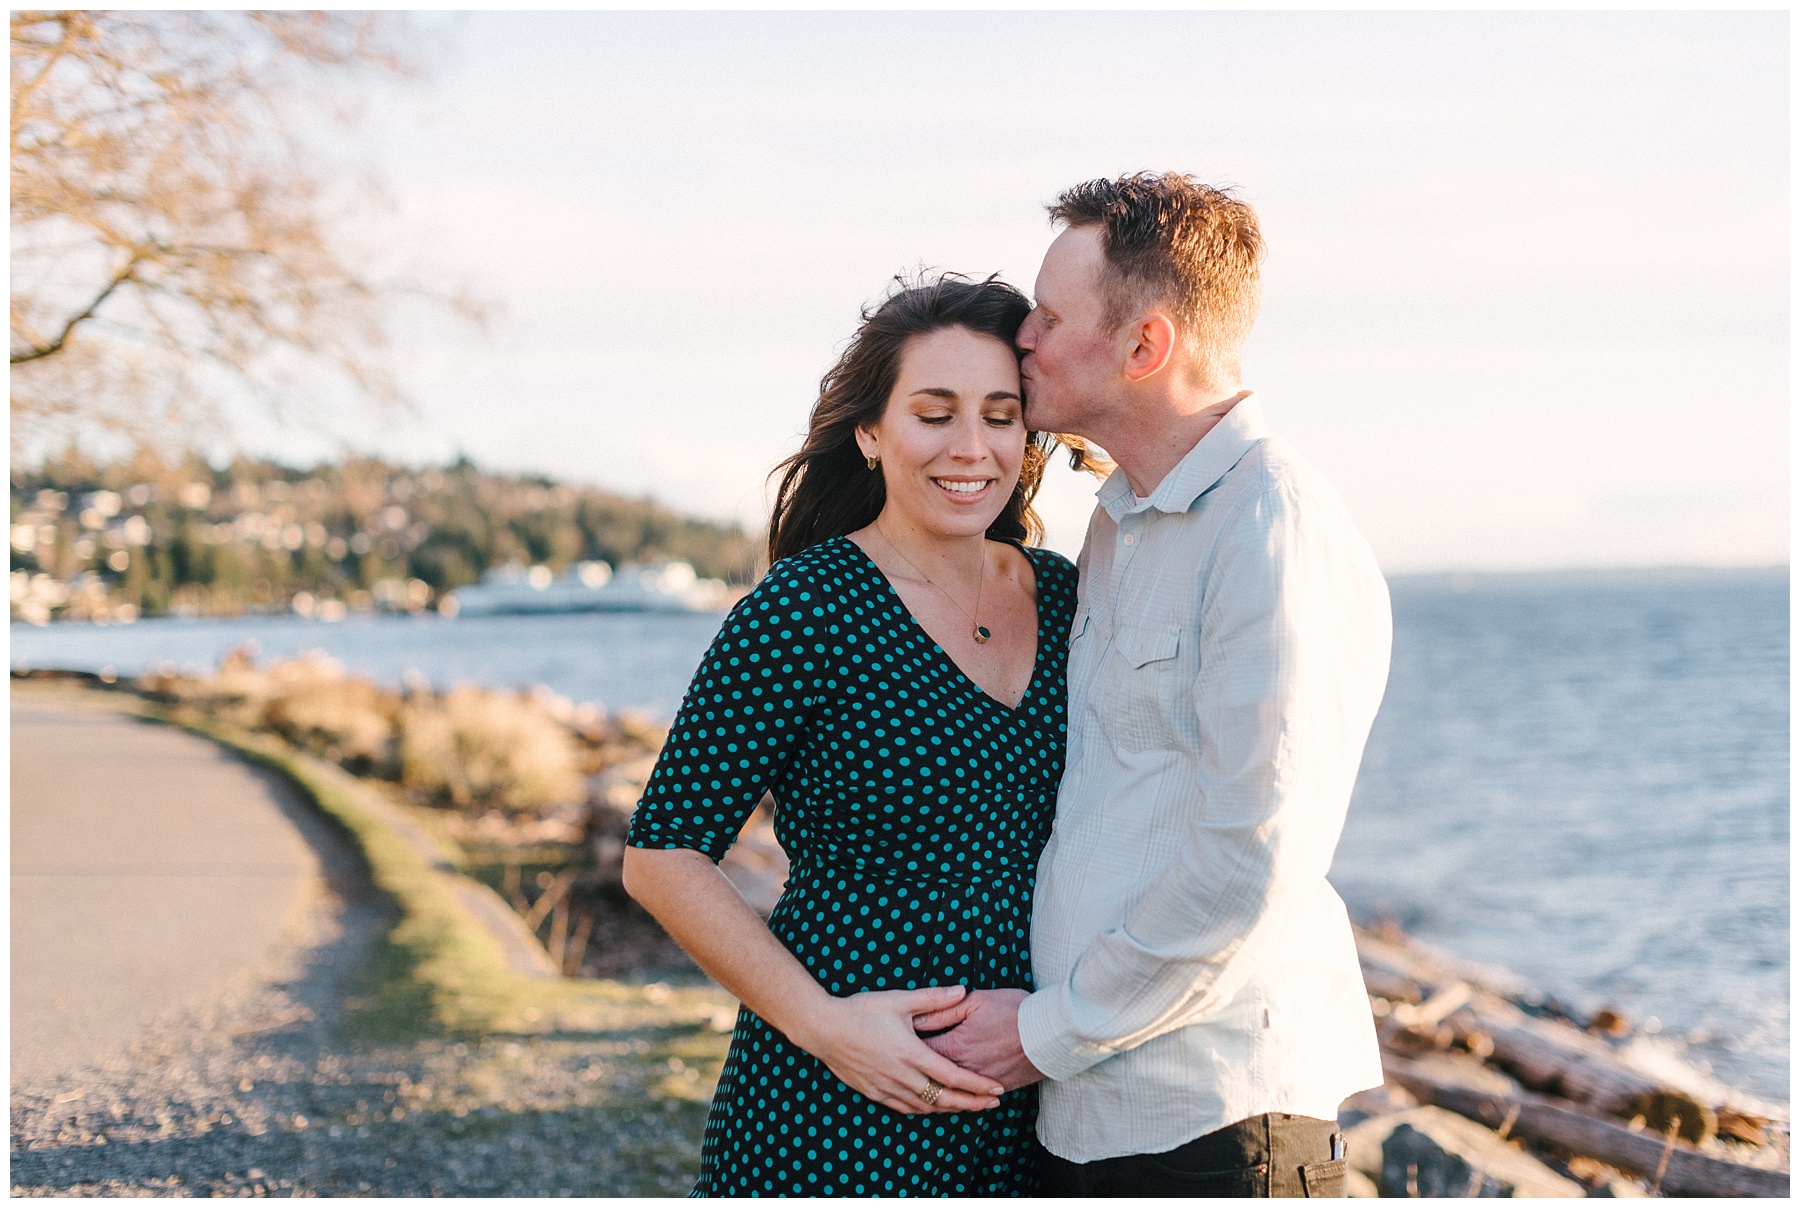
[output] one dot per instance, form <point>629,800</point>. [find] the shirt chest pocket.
<point>1144,688</point>
<point>1143,647</point>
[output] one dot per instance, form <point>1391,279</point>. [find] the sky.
<point>1525,302</point>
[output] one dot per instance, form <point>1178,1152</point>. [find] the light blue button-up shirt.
<point>1230,648</point>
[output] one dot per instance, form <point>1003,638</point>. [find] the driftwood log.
<point>1668,1162</point>
<point>1454,1036</point>
<point>1544,1055</point>
<point>1555,1058</point>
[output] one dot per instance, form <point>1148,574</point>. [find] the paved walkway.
<point>148,868</point>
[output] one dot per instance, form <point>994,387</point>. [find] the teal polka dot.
<point>913,857</point>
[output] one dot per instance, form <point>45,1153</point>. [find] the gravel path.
<point>257,1090</point>
<point>251,1098</point>
<point>149,867</point>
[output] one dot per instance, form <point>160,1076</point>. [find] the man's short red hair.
<point>1172,240</point>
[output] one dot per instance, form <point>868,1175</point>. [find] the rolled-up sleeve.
<point>1291,643</point>
<point>744,715</point>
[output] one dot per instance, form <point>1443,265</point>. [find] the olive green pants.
<point>1264,1156</point>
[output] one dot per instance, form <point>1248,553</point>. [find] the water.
<point>622,660</point>
<point>1589,784</point>
<point>1582,781</point>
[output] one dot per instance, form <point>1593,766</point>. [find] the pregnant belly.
<point>857,929</point>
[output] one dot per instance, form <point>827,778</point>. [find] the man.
<point>1199,1012</point>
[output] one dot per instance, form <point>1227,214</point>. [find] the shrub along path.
<point>381,1046</point>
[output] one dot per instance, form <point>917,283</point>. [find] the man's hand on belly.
<point>983,1036</point>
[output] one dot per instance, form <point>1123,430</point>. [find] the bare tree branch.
<point>55,346</point>
<point>168,218</point>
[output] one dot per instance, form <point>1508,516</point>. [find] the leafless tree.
<point>176,234</point>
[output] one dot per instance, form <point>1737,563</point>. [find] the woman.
<point>897,681</point>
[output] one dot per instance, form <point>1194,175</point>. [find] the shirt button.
<point>1130,539</point>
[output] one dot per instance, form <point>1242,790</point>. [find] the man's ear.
<point>1152,346</point>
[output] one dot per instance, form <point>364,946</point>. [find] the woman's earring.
<point>873,461</point>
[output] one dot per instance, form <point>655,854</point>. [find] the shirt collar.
<point>1207,462</point>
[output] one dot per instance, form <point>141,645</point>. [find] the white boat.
<point>591,587</point>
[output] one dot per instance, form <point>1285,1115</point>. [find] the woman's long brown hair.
<point>827,488</point>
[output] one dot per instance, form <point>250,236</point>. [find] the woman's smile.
<point>965,490</point>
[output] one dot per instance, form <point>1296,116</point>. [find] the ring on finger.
<point>933,1088</point>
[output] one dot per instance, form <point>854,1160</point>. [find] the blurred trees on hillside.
<point>150,535</point>
<point>174,242</point>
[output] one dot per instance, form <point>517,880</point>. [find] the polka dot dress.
<point>913,807</point>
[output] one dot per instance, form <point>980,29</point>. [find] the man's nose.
<point>1027,337</point>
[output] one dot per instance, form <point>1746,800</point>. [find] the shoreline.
<point>759,866</point>
<point>1754,1062</point>
<point>1445,1022</point>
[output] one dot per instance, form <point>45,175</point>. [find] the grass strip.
<point>439,971</point>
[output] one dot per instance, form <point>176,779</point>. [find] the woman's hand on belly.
<point>868,1041</point>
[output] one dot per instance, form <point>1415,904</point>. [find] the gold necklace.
<point>981,634</point>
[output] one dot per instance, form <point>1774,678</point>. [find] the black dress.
<point>913,807</point>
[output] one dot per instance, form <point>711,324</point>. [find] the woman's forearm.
<point>707,916</point>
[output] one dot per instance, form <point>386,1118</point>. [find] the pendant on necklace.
<point>981,634</point>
